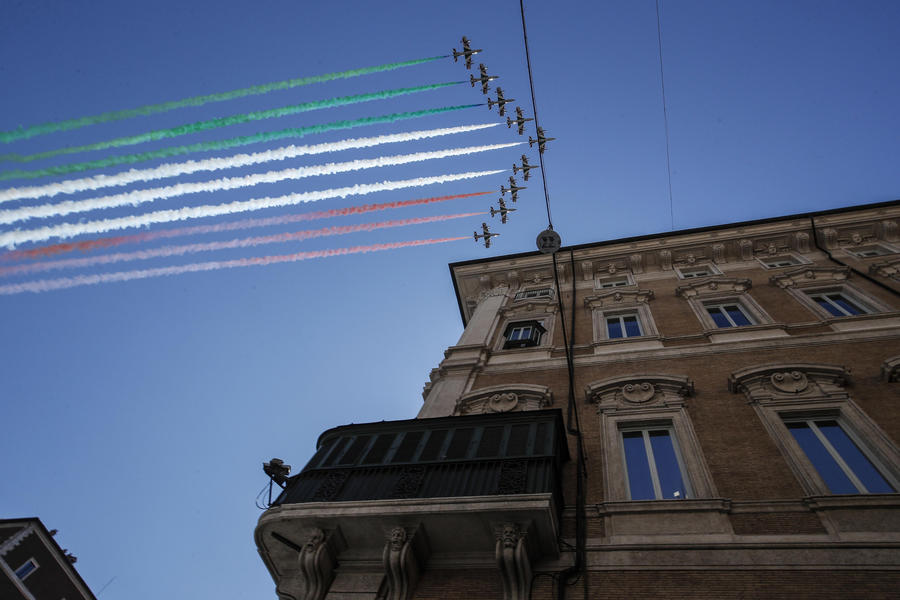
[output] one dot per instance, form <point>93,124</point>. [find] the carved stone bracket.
<point>889,230</point>
<point>636,262</point>
<point>810,274</point>
<point>713,285</point>
<point>614,297</point>
<point>513,560</point>
<point>746,249</point>
<point>405,556</point>
<point>637,391</point>
<point>800,242</point>
<point>771,383</point>
<point>890,369</point>
<point>504,398</point>
<point>587,270</point>
<point>718,254</point>
<point>317,559</point>
<point>665,260</point>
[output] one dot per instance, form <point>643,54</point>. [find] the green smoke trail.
<point>22,133</point>
<point>244,140</point>
<point>161,134</point>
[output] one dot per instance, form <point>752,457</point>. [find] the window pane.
<point>614,327</point>
<point>860,465</point>
<point>849,307</point>
<point>824,303</point>
<point>632,328</point>
<point>639,482</point>
<point>717,316</point>
<point>835,479</point>
<point>737,315</point>
<point>666,464</point>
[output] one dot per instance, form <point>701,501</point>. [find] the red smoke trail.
<point>45,285</point>
<point>170,251</point>
<point>109,242</point>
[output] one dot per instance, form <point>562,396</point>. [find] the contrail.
<point>161,134</point>
<point>109,242</point>
<point>22,133</point>
<point>45,285</point>
<point>97,182</point>
<point>137,197</point>
<point>268,136</point>
<point>170,251</point>
<point>67,230</point>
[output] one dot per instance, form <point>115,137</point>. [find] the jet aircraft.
<point>540,141</point>
<point>483,79</point>
<point>466,53</point>
<point>524,167</point>
<point>500,101</point>
<point>487,235</point>
<point>520,120</point>
<point>502,211</point>
<point>513,189</point>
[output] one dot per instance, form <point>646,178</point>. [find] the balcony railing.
<point>479,455</point>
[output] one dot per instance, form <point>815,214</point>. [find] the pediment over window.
<point>613,298</point>
<point>887,268</point>
<point>524,308</point>
<point>513,397</point>
<point>809,275</point>
<point>780,382</point>
<point>638,392</point>
<point>713,285</point>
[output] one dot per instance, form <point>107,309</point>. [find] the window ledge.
<point>722,505</point>
<point>747,332</point>
<point>632,344</point>
<point>870,321</point>
<point>844,501</point>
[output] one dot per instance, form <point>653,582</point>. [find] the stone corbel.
<point>801,242</point>
<point>889,230</point>
<point>636,262</point>
<point>746,249</point>
<point>317,559</point>
<point>830,237</point>
<point>718,253</point>
<point>587,270</point>
<point>513,560</point>
<point>405,555</point>
<point>665,260</point>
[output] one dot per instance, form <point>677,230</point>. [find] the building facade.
<point>711,412</point>
<point>33,565</point>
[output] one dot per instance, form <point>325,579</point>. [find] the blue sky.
<point>136,415</point>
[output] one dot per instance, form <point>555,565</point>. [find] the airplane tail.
<point>509,122</point>
<point>493,212</point>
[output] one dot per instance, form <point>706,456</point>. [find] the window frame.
<point>707,305</point>
<point>534,339</point>
<point>879,248</point>
<point>23,565</point>
<point>620,316</point>
<point>684,271</point>
<point>796,261</point>
<point>603,283</point>
<point>645,428</point>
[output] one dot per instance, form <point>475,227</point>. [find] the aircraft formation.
<point>519,121</point>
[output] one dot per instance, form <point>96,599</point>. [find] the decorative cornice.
<point>808,275</point>
<point>713,285</point>
<point>504,398</point>
<point>530,305</point>
<point>630,391</point>
<point>774,381</point>
<point>618,298</point>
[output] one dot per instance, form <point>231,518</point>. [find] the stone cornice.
<point>713,285</point>
<point>616,297</point>
<point>808,275</point>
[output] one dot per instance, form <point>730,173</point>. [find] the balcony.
<point>452,483</point>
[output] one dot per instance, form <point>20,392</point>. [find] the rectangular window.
<point>541,293</point>
<point>870,251</point>
<point>652,464</point>
<point>523,334</point>
<point>844,468</point>
<point>612,282</point>
<point>699,271</point>
<point>26,569</point>
<point>838,304</point>
<point>730,314</point>
<point>623,326</point>
<point>779,261</point>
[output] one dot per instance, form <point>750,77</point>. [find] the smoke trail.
<point>46,285</point>
<point>243,140</point>
<point>97,182</point>
<point>67,230</point>
<point>137,197</point>
<point>22,133</point>
<point>109,242</point>
<point>170,251</point>
<point>161,134</point>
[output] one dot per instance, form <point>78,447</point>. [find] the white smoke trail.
<point>97,182</point>
<point>136,197</point>
<point>45,285</point>
<point>68,230</point>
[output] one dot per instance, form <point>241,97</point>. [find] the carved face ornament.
<point>636,393</point>
<point>791,382</point>
<point>398,537</point>
<point>502,402</point>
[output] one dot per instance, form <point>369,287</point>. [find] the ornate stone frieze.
<point>404,557</point>
<point>527,306</point>
<point>618,297</point>
<point>890,369</point>
<point>713,285</point>
<point>513,560</point>
<point>637,391</point>
<point>504,398</point>
<point>809,274</point>
<point>773,382</point>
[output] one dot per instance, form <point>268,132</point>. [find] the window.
<point>623,326</point>
<point>837,304</point>
<point>538,293</point>
<point>840,463</point>
<point>873,250</point>
<point>693,272</point>
<point>775,262</point>
<point>652,465</point>
<point>523,334</point>
<point>612,282</point>
<point>729,314</point>
<point>27,568</point>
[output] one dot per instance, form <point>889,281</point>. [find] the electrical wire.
<point>662,81</point>
<point>534,109</point>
